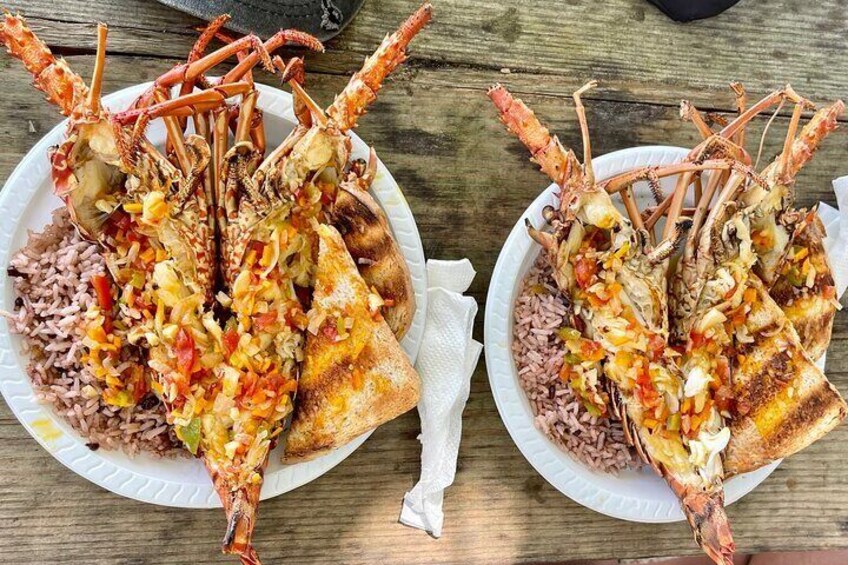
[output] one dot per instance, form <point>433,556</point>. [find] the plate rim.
<point>570,477</point>
<point>98,467</point>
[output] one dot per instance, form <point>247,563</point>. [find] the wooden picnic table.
<point>467,182</point>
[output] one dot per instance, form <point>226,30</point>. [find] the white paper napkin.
<point>446,362</point>
<point>836,243</point>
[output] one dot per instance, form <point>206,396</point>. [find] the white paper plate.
<point>638,496</point>
<point>26,203</point>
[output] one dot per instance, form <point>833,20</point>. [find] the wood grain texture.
<point>467,182</point>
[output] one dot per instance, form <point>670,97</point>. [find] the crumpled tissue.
<point>445,362</point>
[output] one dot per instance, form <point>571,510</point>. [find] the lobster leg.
<point>282,37</point>
<point>741,102</point>
<point>206,36</point>
<point>306,109</point>
<point>187,105</point>
<point>690,113</point>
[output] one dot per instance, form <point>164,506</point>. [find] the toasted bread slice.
<point>810,304</point>
<point>369,240</point>
<point>355,374</point>
<point>784,402</point>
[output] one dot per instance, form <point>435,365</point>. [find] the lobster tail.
<point>706,515</point>
<point>240,508</point>
<point>63,87</point>
<point>362,89</point>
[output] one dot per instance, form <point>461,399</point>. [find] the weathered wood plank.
<point>467,182</point>
<point>765,43</point>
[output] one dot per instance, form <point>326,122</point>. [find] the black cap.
<point>322,18</point>
<point>688,10</point>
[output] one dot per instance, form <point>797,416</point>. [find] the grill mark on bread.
<point>761,387</point>
<point>804,416</point>
<point>367,236</point>
<point>363,232</point>
<point>762,336</point>
<point>309,401</point>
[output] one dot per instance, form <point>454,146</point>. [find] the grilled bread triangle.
<point>355,374</point>
<point>810,303</point>
<point>369,240</point>
<point>784,402</point>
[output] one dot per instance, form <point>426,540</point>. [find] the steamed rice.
<point>51,281</point>
<point>538,352</point>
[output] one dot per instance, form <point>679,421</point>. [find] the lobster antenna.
<point>765,131</point>
<point>584,131</point>
<point>99,65</point>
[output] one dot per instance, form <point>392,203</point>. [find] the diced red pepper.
<point>249,382</point>
<point>185,351</point>
<point>140,386</point>
<point>264,321</point>
<point>231,339</point>
<point>584,271</point>
<point>656,345</point>
<point>697,339</point>
<point>103,290</point>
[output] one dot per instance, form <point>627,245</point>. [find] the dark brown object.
<point>688,10</point>
<point>321,18</point>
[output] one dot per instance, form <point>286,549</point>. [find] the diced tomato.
<point>697,339</point>
<point>264,321</point>
<point>724,398</point>
<point>185,351</point>
<point>585,270</point>
<point>656,345</point>
<point>140,388</point>
<point>258,247</point>
<point>330,331</point>
<point>722,369</point>
<point>829,292</point>
<point>103,290</point>
<point>231,339</point>
<point>591,350</point>
<point>122,222</point>
<point>249,382</point>
<point>326,198</point>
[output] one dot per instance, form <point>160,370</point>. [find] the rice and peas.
<point>52,278</point>
<point>539,313</point>
<point>52,281</point>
